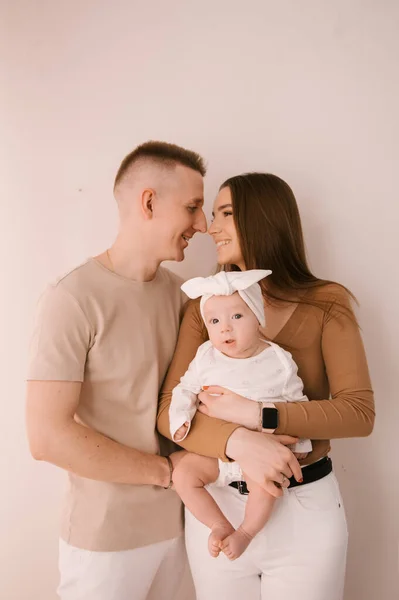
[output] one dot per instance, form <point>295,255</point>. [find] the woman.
<point>301,553</point>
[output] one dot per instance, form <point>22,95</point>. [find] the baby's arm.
<point>184,403</point>
<point>301,455</point>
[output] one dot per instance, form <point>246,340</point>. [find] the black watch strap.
<point>269,418</point>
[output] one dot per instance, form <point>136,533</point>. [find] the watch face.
<point>269,418</point>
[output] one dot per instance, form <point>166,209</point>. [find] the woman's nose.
<point>213,228</point>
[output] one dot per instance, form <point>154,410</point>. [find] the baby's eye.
<point>237,316</point>
<point>192,209</point>
<point>214,321</point>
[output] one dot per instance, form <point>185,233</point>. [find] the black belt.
<point>311,473</point>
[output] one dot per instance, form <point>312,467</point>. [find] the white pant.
<point>154,572</point>
<point>300,554</point>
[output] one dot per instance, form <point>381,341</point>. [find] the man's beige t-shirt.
<point>117,337</point>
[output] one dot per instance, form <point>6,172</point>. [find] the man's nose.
<point>200,223</point>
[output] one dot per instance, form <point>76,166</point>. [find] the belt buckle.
<point>241,488</point>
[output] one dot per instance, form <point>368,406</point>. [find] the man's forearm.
<point>90,454</point>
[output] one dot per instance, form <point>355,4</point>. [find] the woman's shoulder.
<point>329,292</point>
<point>192,319</point>
<point>331,301</point>
<point>192,309</point>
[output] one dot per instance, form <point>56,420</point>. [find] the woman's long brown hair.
<point>269,229</point>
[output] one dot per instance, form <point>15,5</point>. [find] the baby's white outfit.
<point>271,376</point>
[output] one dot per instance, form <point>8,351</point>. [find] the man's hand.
<point>56,437</point>
<point>265,458</point>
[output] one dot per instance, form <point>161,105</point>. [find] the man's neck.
<point>129,261</point>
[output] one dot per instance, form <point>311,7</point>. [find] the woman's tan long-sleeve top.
<point>326,345</point>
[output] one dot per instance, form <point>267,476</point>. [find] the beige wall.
<point>308,90</point>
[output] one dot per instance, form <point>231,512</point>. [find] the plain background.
<point>308,90</point>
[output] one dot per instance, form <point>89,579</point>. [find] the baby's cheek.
<point>215,340</point>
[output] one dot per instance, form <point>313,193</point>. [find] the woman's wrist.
<point>250,419</point>
<point>251,415</point>
<point>235,443</point>
<point>261,423</point>
<point>253,421</point>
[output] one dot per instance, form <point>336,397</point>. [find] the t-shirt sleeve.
<point>61,338</point>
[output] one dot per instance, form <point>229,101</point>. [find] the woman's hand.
<point>265,458</point>
<point>229,406</point>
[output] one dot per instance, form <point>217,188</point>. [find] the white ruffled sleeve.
<point>184,400</point>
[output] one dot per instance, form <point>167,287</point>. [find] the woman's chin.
<point>222,260</point>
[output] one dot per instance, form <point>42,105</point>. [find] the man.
<point>104,337</point>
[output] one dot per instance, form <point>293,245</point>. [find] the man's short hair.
<point>163,154</point>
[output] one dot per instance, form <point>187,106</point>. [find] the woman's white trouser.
<point>299,555</point>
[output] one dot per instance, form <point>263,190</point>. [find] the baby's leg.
<point>301,455</point>
<point>257,512</point>
<point>190,476</point>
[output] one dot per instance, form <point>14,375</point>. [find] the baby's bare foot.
<point>219,532</point>
<point>235,544</point>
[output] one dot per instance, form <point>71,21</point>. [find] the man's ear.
<point>147,200</point>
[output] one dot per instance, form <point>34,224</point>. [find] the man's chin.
<point>180,256</point>
<point>176,257</point>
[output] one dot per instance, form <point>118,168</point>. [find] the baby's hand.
<point>181,432</point>
<point>301,455</point>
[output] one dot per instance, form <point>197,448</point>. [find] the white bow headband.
<point>227,283</point>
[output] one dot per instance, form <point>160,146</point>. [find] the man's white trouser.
<point>155,572</point>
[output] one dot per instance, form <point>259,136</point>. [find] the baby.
<point>238,358</point>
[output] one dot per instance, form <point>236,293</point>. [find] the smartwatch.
<point>269,418</point>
